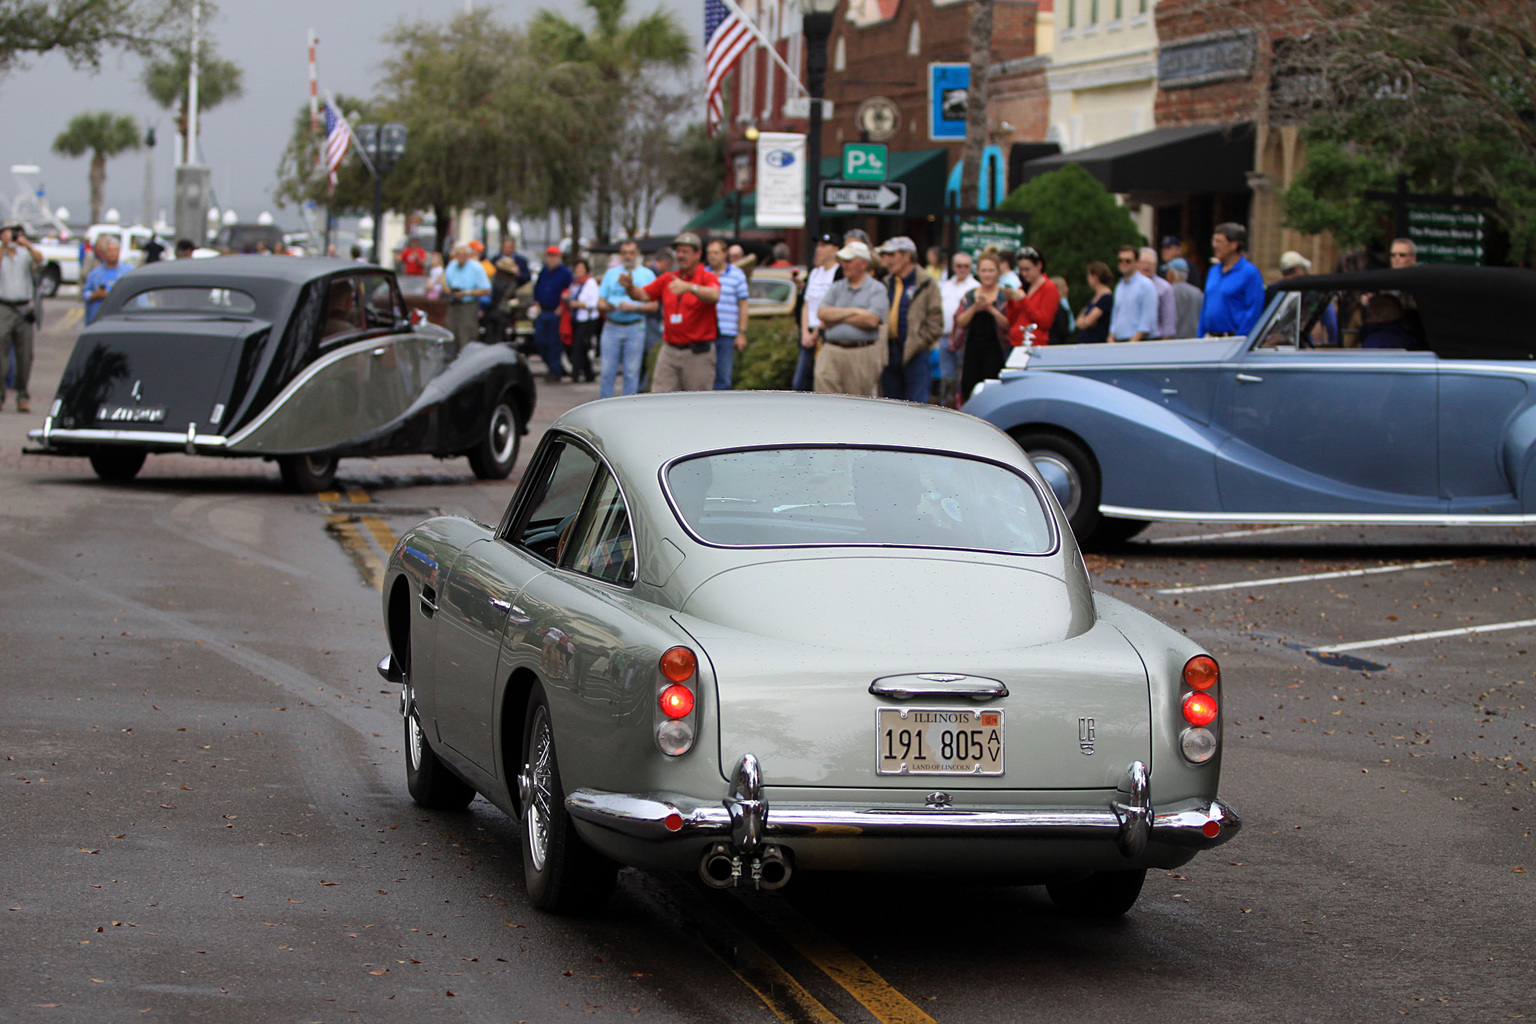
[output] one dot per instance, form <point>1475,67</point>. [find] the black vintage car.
<point>304,361</point>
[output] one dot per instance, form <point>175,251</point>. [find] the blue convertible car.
<point>1401,396</point>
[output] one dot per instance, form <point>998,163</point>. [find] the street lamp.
<point>383,145</point>
<point>816,15</point>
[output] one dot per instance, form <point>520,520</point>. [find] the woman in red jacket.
<point>1039,302</point>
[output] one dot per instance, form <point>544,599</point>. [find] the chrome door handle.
<point>1170,391</point>
<point>1248,378</point>
<point>428,602</point>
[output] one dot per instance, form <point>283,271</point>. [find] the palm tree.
<point>103,134</point>
<point>619,51</point>
<point>165,80</point>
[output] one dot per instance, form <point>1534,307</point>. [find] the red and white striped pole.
<point>314,98</point>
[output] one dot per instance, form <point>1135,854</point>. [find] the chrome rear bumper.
<point>1127,820</point>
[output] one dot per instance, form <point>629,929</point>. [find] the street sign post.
<point>884,198</point>
<point>979,233</point>
<point>864,161</point>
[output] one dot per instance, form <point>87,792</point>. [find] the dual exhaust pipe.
<point>722,867</point>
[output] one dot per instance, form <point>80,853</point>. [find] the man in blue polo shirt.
<point>464,281</point>
<point>554,278</point>
<point>1234,288</point>
<point>730,311</point>
<point>623,340</point>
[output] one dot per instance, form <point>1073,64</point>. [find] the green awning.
<point>721,215</point>
<point>923,171</point>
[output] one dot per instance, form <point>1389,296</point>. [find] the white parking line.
<point>1277,580</point>
<point>1407,638</point>
<point>1227,535</point>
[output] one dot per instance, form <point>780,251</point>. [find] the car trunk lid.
<point>794,669</point>
<point>154,376</point>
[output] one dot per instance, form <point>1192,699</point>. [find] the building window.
<point>840,55</point>
<point>1093,12</point>
<point>915,40</point>
<point>1141,6</point>
<point>1119,9</point>
<point>1071,14</point>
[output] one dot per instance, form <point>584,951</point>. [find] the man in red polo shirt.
<point>688,295</point>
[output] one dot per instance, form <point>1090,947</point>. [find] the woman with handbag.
<point>981,327</point>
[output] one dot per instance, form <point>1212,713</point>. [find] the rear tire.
<point>564,874</point>
<point>430,782</point>
<point>1072,474</point>
<point>1103,894</point>
<point>118,465</point>
<point>308,474</point>
<point>1117,531</point>
<point>496,454</point>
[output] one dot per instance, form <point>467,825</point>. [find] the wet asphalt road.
<point>203,813</point>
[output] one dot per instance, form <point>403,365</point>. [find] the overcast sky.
<point>241,140</point>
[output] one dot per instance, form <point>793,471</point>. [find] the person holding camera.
<point>18,311</point>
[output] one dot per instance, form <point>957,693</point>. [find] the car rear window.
<point>191,300</point>
<point>859,496</point>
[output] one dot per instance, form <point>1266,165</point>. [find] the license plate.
<point>938,741</point>
<point>130,414</point>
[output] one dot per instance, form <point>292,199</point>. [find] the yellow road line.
<point>72,316</point>
<point>843,966</point>
<point>359,534</point>
<point>785,997</point>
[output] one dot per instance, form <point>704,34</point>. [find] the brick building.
<point>879,55</point>
<point>1214,69</point>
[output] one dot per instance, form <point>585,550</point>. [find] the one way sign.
<point>888,198</point>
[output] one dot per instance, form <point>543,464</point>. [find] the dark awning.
<point>1202,158</point>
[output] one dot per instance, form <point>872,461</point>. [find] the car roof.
<point>272,281</point>
<point>1467,312</point>
<point>642,432</point>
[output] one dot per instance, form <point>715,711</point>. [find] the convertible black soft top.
<point>1466,312</point>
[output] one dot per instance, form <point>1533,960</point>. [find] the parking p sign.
<point>864,161</point>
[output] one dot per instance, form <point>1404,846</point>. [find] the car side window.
<point>1282,331</point>
<point>600,542</point>
<point>382,308</point>
<point>343,310</point>
<point>564,477</point>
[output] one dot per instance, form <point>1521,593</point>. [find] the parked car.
<point>755,633</point>
<point>243,238</point>
<point>302,360</point>
<point>1439,428</point>
<point>61,264</point>
<point>773,291</point>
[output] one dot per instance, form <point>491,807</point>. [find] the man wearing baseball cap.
<point>554,278</point>
<point>915,317</point>
<point>851,312</point>
<point>687,295</point>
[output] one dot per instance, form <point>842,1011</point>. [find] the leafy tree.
<point>1327,196</point>
<point>1073,221</point>
<point>698,167</point>
<point>104,135</point>
<point>82,30</point>
<point>1441,90</point>
<point>165,80</point>
<point>621,53</point>
<point>644,155</point>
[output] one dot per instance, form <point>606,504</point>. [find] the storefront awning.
<point>721,215</point>
<point>1201,158</point>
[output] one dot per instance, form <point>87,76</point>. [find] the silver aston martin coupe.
<point>751,634</point>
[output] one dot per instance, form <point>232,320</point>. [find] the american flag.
<point>338,136</point>
<point>726,36</point>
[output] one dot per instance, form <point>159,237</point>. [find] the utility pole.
<point>976,102</point>
<point>193,181</point>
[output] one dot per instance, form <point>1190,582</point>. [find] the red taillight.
<point>674,822</point>
<point>1212,829</point>
<point>1200,709</point>
<point>1201,672</point>
<point>678,664</point>
<point>676,701</point>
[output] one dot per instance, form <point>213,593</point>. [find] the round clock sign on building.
<point>879,118</point>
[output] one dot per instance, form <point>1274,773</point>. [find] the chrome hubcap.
<point>539,790</point>
<point>414,740</point>
<point>1061,476</point>
<point>503,433</point>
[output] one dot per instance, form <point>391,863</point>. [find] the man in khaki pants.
<point>851,313</point>
<point>687,295</point>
